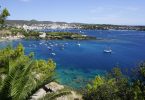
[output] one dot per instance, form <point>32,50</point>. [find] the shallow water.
<point>76,65</point>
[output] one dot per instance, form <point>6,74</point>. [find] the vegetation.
<point>116,86</point>
<point>93,27</point>
<point>67,35</point>
<point>57,36</point>
<point>29,34</point>
<point>52,96</point>
<point>21,76</point>
<point>11,31</point>
<point>3,15</point>
<point>108,27</point>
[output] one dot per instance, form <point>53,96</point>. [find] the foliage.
<point>3,15</point>
<point>15,31</point>
<point>57,35</point>
<point>52,96</point>
<point>115,86</point>
<point>21,75</point>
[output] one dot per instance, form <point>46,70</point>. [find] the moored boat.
<point>107,51</point>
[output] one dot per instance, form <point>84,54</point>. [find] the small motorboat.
<point>107,51</point>
<point>51,45</point>
<point>53,54</point>
<point>49,48</point>
<point>79,44</point>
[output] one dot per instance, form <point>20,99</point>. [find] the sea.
<point>79,61</point>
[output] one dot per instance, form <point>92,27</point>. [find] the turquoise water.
<point>76,65</point>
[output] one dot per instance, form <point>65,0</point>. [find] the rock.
<point>39,94</point>
<point>54,86</point>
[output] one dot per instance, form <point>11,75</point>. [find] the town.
<point>42,25</point>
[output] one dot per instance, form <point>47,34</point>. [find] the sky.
<point>120,12</point>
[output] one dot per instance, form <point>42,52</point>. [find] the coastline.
<point>10,38</point>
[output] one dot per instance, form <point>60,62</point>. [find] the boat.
<point>78,44</point>
<point>51,45</point>
<point>107,51</point>
<point>53,54</point>
<point>49,48</point>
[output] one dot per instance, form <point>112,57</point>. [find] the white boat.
<point>49,48</point>
<point>79,44</point>
<point>53,54</point>
<point>107,51</point>
<point>51,45</point>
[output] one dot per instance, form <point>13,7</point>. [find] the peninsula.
<point>10,33</point>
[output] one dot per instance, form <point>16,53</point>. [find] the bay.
<point>77,65</point>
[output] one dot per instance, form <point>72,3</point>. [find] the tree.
<point>19,51</point>
<point>139,82</point>
<point>101,89</point>
<point>3,15</point>
<point>115,86</point>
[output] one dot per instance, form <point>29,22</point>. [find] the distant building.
<point>43,35</point>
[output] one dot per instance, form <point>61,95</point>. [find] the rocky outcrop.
<point>54,87</point>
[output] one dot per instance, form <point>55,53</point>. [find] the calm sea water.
<point>76,65</point>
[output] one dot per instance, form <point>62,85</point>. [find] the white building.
<point>43,35</point>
